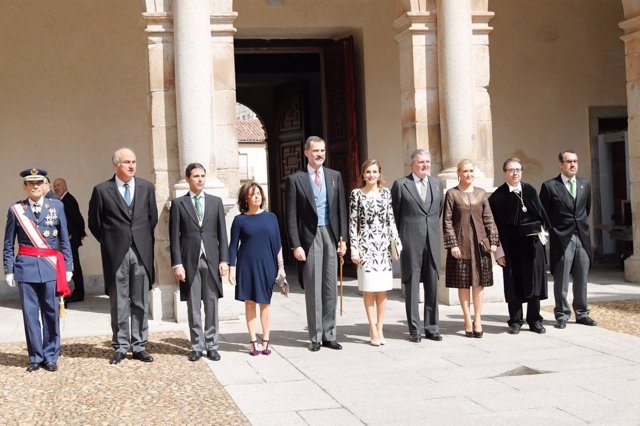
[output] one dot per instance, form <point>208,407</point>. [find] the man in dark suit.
<point>199,258</point>
<point>42,267</point>
<point>316,216</point>
<point>417,206</point>
<point>521,222</point>
<point>122,217</point>
<point>46,188</point>
<point>567,201</point>
<point>75,225</point>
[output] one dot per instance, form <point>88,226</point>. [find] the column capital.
<point>222,25</point>
<point>631,27</point>
<point>158,27</point>
<point>415,22</point>
<point>480,22</point>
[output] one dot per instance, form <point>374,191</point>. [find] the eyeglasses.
<point>514,170</point>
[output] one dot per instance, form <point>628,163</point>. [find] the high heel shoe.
<point>470,332</point>
<point>265,350</point>
<point>373,334</point>
<point>477,334</point>
<point>253,351</point>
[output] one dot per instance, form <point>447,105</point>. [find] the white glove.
<point>542,236</point>
<point>69,275</point>
<point>10,280</point>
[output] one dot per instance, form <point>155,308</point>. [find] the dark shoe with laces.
<point>561,323</point>
<point>33,367</point>
<point>195,355</point>
<point>117,357</point>
<point>586,321</point>
<point>51,366</point>
<point>213,355</point>
<point>514,329</point>
<point>143,356</point>
<point>437,337</point>
<point>314,346</point>
<point>415,338</point>
<point>537,327</point>
<point>332,345</point>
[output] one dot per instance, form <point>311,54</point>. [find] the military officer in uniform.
<point>42,267</point>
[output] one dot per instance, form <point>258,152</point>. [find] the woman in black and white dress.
<point>371,225</point>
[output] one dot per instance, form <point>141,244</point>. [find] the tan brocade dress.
<point>467,220</point>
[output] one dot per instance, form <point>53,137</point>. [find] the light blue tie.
<point>127,195</point>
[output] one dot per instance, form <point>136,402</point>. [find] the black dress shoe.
<point>74,298</point>
<point>514,329</point>
<point>537,327</point>
<point>314,347</point>
<point>195,355</point>
<point>143,356</point>
<point>415,338</point>
<point>332,345</point>
<point>117,357</point>
<point>436,337</point>
<point>560,323</point>
<point>586,321</point>
<point>51,366</point>
<point>33,367</point>
<point>213,355</point>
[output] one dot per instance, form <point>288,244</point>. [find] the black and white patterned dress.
<point>370,224</point>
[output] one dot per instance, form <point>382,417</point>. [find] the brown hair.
<point>245,192</point>
<point>511,160</point>
<point>368,163</point>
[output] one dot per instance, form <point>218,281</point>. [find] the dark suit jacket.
<point>36,269</point>
<point>186,236</point>
<point>566,215</point>
<point>300,212</point>
<point>75,222</point>
<point>116,231</point>
<point>419,228</point>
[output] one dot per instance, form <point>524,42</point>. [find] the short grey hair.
<point>115,159</point>
<point>419,151</point>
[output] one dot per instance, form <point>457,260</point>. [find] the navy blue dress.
<point>253,250</point>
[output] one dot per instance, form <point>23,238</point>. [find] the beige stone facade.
<point>465,78</point>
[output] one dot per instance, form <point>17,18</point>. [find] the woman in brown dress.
<point>470,236</point>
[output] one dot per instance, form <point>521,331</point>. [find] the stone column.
<point>164,148</point>
<point>193,84</point>
<point>455,75</point>
<point>420,112</point>
<point>631,38</point>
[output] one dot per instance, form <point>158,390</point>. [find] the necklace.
<point>519,195</point>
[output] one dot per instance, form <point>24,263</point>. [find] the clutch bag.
<point>283,285</point>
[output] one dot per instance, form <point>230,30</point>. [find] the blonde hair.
<point>463,163</point>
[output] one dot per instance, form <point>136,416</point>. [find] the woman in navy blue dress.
<point>255,258</point>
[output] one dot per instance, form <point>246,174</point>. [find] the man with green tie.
<point>199,258</point>
<point>567,202</point>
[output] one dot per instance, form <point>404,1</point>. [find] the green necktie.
<point>572,188</point>
<point>198,204</point>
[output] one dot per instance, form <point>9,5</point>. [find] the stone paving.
<point>87,390</point>
<point>580,375</point>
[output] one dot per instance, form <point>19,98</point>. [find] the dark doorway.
<point>300,88</point>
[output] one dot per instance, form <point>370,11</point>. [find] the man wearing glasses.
<point>567,202</point>
<point>522,225</point>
